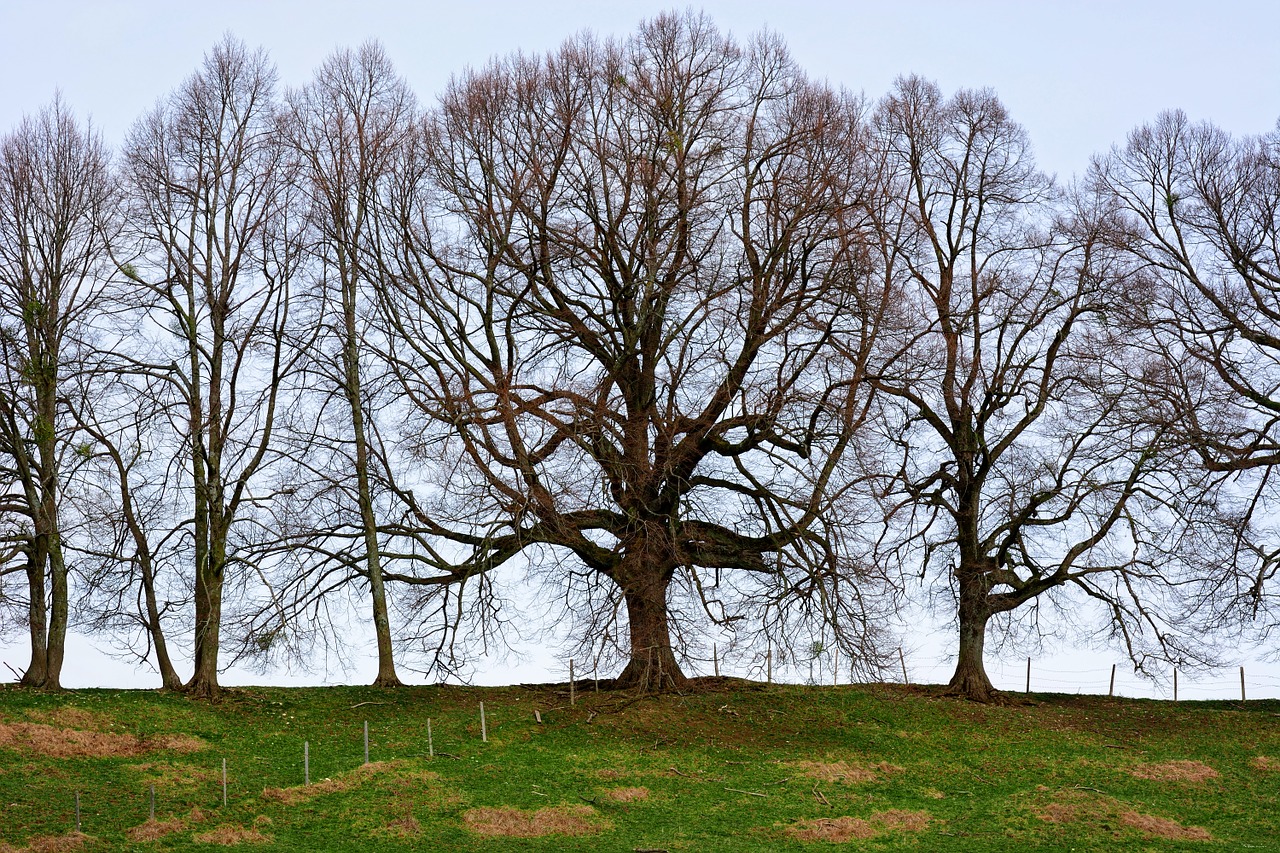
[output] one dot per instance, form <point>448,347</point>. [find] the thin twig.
<point>678,773</point>
<point>360,704</point>
<point>748,793</point>
<point>820,797</point>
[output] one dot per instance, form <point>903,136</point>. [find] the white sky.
<point>1078,75</point>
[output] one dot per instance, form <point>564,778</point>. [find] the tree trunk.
<point>169,679</point>
<point>653,666</point>
<point>368,519</point>
<point>204,679</point>
<point>59,612</point>
<point>37,620</point>
<point>970,678</point>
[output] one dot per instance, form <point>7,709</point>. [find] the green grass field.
<point>731,766</point>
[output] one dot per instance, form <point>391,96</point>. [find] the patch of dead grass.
<point>1175,771</point>
<point>1163,827</point>
<point>72,718</point>
<point>841,830</point>
<point>1069,807</point>
<point>60,742</point>
<point>403,827</point>
<point>50,843</point>
<point>627,795</point>
<point>1265,762</point>
<point>229,835</point>
<point>509,822</point>
<point>303,793</point>
<point>609,774</point>
<point>832,772</point>
<point>165,775</point>
<point>154,830</point>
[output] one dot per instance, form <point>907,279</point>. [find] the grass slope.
<point>730,766</point>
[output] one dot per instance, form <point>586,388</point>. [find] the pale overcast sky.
<point>1077,75</point>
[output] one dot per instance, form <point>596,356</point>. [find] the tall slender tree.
<point>55,202</point>
<point>211,203</point>
<point>346,128</point>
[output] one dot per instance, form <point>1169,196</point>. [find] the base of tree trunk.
<point>972,683</point>
<point>388,681</point>
<point>202,688</point>
<point>657,672</point>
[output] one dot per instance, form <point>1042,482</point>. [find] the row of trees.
<point>691,340</point>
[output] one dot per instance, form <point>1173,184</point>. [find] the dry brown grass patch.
<point>1163,827</point>
<point>154,830</point>
<point>627,795</point>
<point>163,774</point>
<point>1077,806</point>
<point>303,793</point>
<point>229,835</point>
<point>72,718</point>
<point>50,843</point>
<point>57,742</point>
<point>842,771</point>
<point>1264,762</point>
<point>1175,771</point>
<point>174,743</point>
<point>844,829</point>
<point>509,822</point>
<point>609,774</point>
<point>403,827</point>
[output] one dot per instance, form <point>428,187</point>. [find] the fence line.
<point>1261,679</point>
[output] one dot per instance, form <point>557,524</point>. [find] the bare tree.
<point>1201,212</point>
<point>621,269</point>
<point>210,202</point>
<point>54,199</point>
<point>1025,467</point>
<point>132,507</point>
<point>346,128</point>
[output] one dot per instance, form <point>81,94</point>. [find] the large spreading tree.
<point>622,267</point>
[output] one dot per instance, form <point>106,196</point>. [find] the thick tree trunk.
<point>653,666</point>
<point>970,678</point>
<point>209,577</point>
<point>37,621</point>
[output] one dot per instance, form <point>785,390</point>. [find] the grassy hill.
<point>730,766</point>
